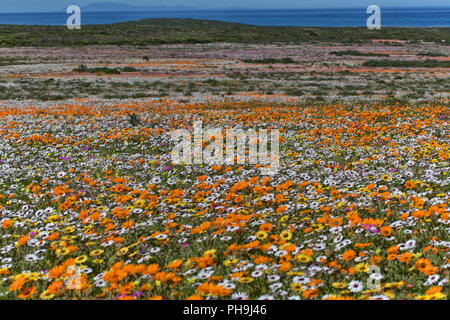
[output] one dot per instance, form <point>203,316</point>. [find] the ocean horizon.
<point>390,17</point>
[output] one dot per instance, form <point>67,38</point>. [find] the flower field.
<point>91,206</point>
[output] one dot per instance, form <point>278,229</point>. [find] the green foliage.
<point>271,60</point>
<point>10,61</point>
<point>408,63</point>
<point>432,54</point>
<point>163,31</point>
<point>134,119</point>
<point>105,70</point>
<point>358,53</point>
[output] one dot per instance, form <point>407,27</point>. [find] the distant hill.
<point>120,7</point>
<point>172,31</point>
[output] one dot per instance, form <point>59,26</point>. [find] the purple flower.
<point>138,294</point>
<point>371,227</point>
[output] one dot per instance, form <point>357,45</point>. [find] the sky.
<point>8,6</point>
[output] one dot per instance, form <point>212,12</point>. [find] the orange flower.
<point>336,222</point>
<point>349,255</point>
<point>175,264</point>
<point>194,297</point>
<point>55,286</point>
<point>391,256</point>
<point>6,224</point>
<point>22,240</point>
<point>216,290</point>
<point>410,184</point>
<point>266,227</point>
<point>386,231</point>
<point>238,199</point>
<point>56,272</point>
<point>393,249</point>
<point>286,266</point>
<point>59,191</point>
<point>307,252</point>
<point>433,290</point>
<point>405,257</point>
<point>17,284</point>
<point>27,293</point>
<point>425,266</point>
<point>311,293</point>
<point>152,269</point>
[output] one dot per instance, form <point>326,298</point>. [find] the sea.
<point>394,17</point>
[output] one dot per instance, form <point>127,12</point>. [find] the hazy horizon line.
<point>238,8</point>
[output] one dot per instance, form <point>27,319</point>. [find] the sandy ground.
<point>218,69</point>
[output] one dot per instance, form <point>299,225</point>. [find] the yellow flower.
<point>211,253</point>
<point>33,278</point>
<point>261,235</point>
<point>133,254</point>
<point>139,203</point>
<point>370,291</point>
<point>246,280</point>
<point>286,235</point>
<point>295,273</point>
<point>95,253</point>
<point>62,251</point>
<point>53,217</point>
<point>4,270</point>
<point>303,258</point>
<point>188,263</point>
<point>386,177</point>
<point>362,267</point>
<point>69,230</point>
<point>436,296</point>
<point>228,262</point>
<point>46,295</point>
<point>97,261</point>
<point>339,285</point>
<point>297,287</point>
<point>81,259</point>
<point>191,280</point>
<point>122,251</point>
<point>318,227</point>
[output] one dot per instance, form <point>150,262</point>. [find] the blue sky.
<point>58,5</point>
